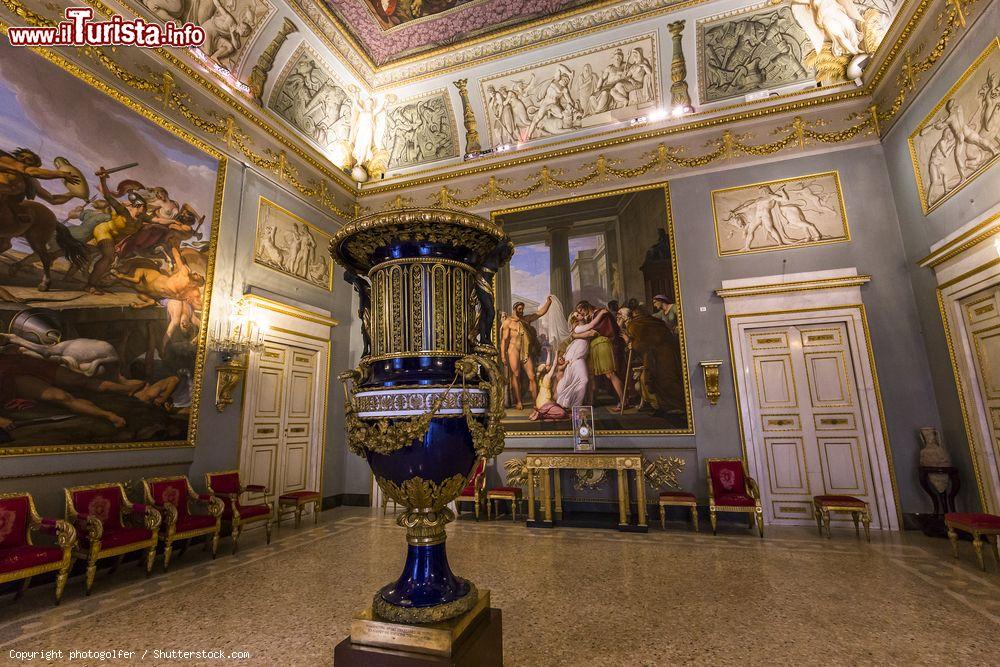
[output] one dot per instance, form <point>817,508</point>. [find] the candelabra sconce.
<point>234,340</point>
<point>710,369</point>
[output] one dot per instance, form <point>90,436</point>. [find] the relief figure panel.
<point>287,243</point>
<point>960,139</point>
<point>755,48</point>
<point>420,130</point>
<point>604,85</point>
<point>779,215</point>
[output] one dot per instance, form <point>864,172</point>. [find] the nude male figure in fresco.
<point>518,345</point>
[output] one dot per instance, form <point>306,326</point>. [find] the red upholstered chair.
<point>977,525</point>
<point>109,524</point>
<point>732,489</point>
<point>226,485</point>
<point>20,558</point>
<point>475,491</point>
<point>174,498</point>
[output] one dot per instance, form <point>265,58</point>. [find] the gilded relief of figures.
<point>777,215</point>
<point>604,85</point>
<point>287,243</point>
<point>597,323</point>
<point>230,25</point>
<point>420,130</point>
<point>756,48</point>
<point>106,246</point>
<point>960,139</point>
<point>309,97</point>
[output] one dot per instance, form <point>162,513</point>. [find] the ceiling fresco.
<point>389,30</point>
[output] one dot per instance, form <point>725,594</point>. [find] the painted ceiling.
<point>390,30</point>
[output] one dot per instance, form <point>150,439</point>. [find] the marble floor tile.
<point>569,597</point>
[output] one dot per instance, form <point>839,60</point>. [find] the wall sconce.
<point>233,339</point>
<point>710,369</point>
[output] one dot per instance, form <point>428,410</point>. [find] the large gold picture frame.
<point>513,430</point>
<point>934,150</point>
<point>213,218</point>
<point>781,214</point>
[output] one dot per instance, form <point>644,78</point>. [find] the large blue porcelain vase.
<point>425,403</point>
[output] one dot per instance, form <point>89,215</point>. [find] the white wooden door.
<point>807,421</point>
<point>284,400</point>
<point>981,313</point>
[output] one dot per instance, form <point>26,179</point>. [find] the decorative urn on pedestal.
<point>425,403</point>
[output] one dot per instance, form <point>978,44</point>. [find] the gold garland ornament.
<point>488,438</point>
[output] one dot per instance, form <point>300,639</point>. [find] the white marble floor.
<point>569,597</point>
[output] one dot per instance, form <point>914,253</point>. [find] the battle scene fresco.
<point>591,316</point>
<point>107,226</point>
<point>420,130</point>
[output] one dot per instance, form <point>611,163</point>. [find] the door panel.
<point>982,323</point>
<point>807,424</point>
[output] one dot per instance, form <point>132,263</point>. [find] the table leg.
<point>640,496</point>
<point>628,498</point>
<point>558,492</point>
<point>622,486</point>
<point>547,495</point>
<point>531,494</point>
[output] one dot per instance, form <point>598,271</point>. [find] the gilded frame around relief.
<point>923,190</point>
<point>220,181</point>
<point>843,237</point>
<point>321,248</point>
<point>678,295</point>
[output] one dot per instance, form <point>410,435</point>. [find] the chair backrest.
<point>173,490</point>
<point>102,501</point>
<point>473,484</point>
<point>727,476</point>
<point>226,481</point>
<point>15,516</point>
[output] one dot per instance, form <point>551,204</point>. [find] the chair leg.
<point>826,524</point>
<point>713,519</point>
<point>856,516</point>
<point>316,512</point>
<point>818,513</point>
<point>760,521</point>
<point>977,544</point>
<point>953,538</point>
<point>168,550</point>
<point>663,518</point>
<point>91,573</point>
<point>996,548</point>
<point>298,516</point>
<point>694,518</point>
<point>476,506</point>
<point>236,538</point>
<point>215,543</point>
<point>866,521</point>
<point>513,514</point>
<point>267,530</point>
<point>61,581</point>
<point>150,559</point>
<point>22,588</point>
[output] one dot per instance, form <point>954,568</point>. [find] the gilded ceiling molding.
<point>799,133</point>
<point>163,87</point>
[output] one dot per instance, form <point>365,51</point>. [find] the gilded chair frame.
<point>65,540</point>
<point>756,512</point>
<point>479,499</point>
<point>94,529</point>
<point>168,527</point>
<point>237,522</point>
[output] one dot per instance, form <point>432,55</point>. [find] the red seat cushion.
<point>224,482</point>
<point>509,490</point>
<point>734,500</point>
<point>246,511</point>
<point>25,556</point>
<point>299,495</point>
<point>727,477</point>
<point>120,537</point>
<point>14,521</point>
<point>194,522</point>
<point>839,500</point>
<point>173,491</point>
<point>974,520</point>
<point>677,495</point>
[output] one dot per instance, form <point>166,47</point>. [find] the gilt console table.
<point>542,464</point>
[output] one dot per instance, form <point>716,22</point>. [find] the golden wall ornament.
<point>227,376</point>
<point>663,471</point>
<point>258,75</point>
<point>710,371</point>
<point>680,97</point>
<point>472,144</point>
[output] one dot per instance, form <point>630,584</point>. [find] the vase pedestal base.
<point>474,638</point>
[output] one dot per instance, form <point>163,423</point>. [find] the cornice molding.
<point>794,286</point>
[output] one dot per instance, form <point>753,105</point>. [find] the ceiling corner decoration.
<point>607,84</point>
<point>420,129</point>
<point>389,30</point>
